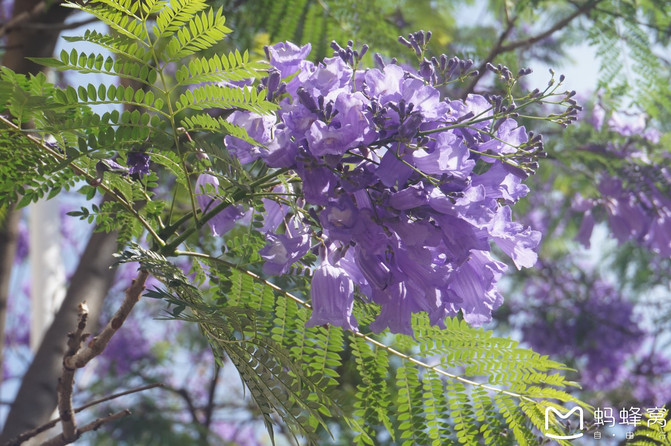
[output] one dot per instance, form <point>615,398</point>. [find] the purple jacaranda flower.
<point>374,269</point>
<point>394,190</point>
<point>509,136</point>
<point>517,242</point>
<point>475,105</point>
<point>474,283</point>
<point>329,79</point>
<point>283,250</point>
<point>583,318</point>
<point>445,154</point>
<point>585,231</point>
<point>597,117</point>
<point>274,211</point>
<point>258,127</point>
<point>627,125</point>
<point>424,98</point>
<point>460,237</point>
<point>297,117</point>
<point>500,183</point>
<point>392,170</point>
<point>397,308</point>
<point>318,183</point>
<point>287,57</point>
<point>411,197</point>
<point>138,163</point>
<point>332,293</point>
<point>281,150</point>
<point>206,186</point>
<point>385,84</point>
<point>626,218</point>
<point>350,128</point>
<point>340,218</point>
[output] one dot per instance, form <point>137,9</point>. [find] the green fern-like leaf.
<point>203,31</point>
<point>234,67</point>
<point>214,96</point>
<point>180,12</point>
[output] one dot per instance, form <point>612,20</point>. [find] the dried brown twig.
<point>76,357</point>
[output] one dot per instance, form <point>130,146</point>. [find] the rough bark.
<point>37,396</point>
<point>9,228</point>
<point>22,41</point>
<point>36,399</point>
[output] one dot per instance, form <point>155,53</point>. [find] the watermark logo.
<point>549,410</point>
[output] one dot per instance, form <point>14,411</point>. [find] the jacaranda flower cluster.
<point>635,197</point>
<point>404,190</point>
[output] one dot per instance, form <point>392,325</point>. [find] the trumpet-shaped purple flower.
<point>332,293</point>
<point>283,250</point>
<point>287,57</point>
<point>258,127</point>
<point>206,185</point>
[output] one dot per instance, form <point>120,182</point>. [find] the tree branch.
<point>98,343</point>
<point>60,26</point>
<point>30,434</point>
<point>67,380</point>
<point>496,50</point>
<point>585,8</point>
<point>500,48</point>
<point>210,396</point>
<point>60,440</point>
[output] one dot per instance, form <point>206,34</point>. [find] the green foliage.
<point>320,22</point>
<point>451,386</point>
<point>629,67</point>
<point>653,431</point>
<point>151,102</point>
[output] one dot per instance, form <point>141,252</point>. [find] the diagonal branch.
<point>584,9</point>
<point>98,343</point>
<point>436,368</point>
<point>496,50</point>
<point>59,440</point>
<point>500,48</point>
<point>30,434</point>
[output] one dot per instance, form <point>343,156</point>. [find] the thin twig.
<point>98,343</point>
<point>500,48</point>
<point>391,350</point>
<point>210,398</point>
<point>59,440</point>
<point>547,33</point>
<point>46,426</point>
<point>118,395</point>
<point>60,26</point>
<point>496,50</point>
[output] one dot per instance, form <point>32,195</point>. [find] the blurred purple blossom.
<point>207,185</point>
<point>583,319</point>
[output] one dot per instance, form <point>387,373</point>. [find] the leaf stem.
<point>369,339</point>
<point>81,172</point>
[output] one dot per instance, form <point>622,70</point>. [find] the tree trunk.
<point>36,399</point>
